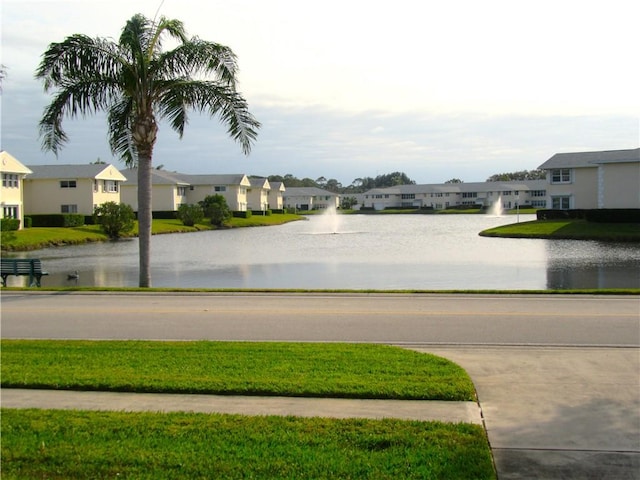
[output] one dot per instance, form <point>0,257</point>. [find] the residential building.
<point>258,194</point>
<point>585,180</point>
<point>172,189</point>
<point>71,188</point>
<point>530,193</point>
<point>12,188</point>
<point>310,198</point>
<point>275,195</point>
<point>169,190</point>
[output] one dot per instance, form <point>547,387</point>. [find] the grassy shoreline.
<point>43,237</point>
<point>568,230</point>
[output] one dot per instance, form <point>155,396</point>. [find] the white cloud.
<point>349,89</point>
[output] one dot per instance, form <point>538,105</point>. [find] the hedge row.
<point>600,215</point>
<point>58,220</point>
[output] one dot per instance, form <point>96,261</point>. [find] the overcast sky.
<point>347,89</point>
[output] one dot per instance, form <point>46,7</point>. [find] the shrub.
<point>57,220</point>
<point>114,218</point>
<point>215,207</point>
<point>165,214</point>
<point>245,214</point>
<point>189,215</point>
<point>27,222</point>
<point>9,224</point>
<point>261,212</point>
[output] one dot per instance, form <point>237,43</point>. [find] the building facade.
<point>12,188</point>
<point>585,180</point>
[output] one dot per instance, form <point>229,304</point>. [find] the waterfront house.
<point>310,198</point>
<point>172,189</point>
<point>258,194</point>
<point>529,193</point>
<point>275,195</point>
<point>583,180</point>
<point>71,188</point>
<point>12,188</point>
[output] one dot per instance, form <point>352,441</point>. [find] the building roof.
<point>158,177</point>
<point>92,170</point>
<point>259,182</point>
<point>523,185</point>
<point>591,159</point>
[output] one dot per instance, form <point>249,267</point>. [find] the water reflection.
<point>359,252</point>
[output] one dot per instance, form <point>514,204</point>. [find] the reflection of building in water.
<point>563,276</point>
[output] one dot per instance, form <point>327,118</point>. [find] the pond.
<point>352,252</point>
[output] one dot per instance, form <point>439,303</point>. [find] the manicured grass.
<point>568,229</point>
<point>243,368</point>
<point>58,444</point>
<point>41,237</point>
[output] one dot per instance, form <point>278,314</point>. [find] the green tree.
<point>115,219</point>
<point>216,208</point>
<point>189,215</point>
<point>138,84</point>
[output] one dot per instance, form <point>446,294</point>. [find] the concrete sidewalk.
<point>468,412</point>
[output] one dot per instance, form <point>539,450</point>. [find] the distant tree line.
<point>359,185</point>
<point>517,176</point>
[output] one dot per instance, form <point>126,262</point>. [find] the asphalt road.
<point>398,319</point>
<point>557,376</point>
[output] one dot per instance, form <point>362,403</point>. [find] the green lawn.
<point>568,229</point>
<point>61,444</point>
<point>243,368</point>
<point>57,444</point>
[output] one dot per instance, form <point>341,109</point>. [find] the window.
<point>68,208</point>
<point>111,186</point>
<point>469,195</point>
<point>95,186</point>
<point>182,191</point>
<point>561,175</point>
<point>538,193</point>
<point>10,180</point>
<point>506,193</point>
<point>220,188</point>
<point>561,203</point>
<point>10,212</point>
<point>67,184</point>
<point>408,196</point>
<point>539,203</point>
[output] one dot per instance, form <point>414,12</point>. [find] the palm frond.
<point>120,140</point>
<point>199,57</point>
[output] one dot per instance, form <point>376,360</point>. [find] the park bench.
<point>22,267</point>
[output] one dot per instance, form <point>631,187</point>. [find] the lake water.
<point>352,252</point>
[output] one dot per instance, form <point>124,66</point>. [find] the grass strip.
<point>238,368</point>
<point>568,230</point>
<point>52,444</point>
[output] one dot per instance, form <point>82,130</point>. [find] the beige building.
<point>585,180</point>
<point>275,195</point>
<point>12,188</point>
<point>172,189</point>
<point>258,194</point>
<point>71,188</point>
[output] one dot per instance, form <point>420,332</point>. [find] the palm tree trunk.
<point>144,218</point>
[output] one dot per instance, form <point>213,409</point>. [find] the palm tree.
<point>137,83</point>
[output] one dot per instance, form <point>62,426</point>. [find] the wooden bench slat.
<point>22,267</point>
